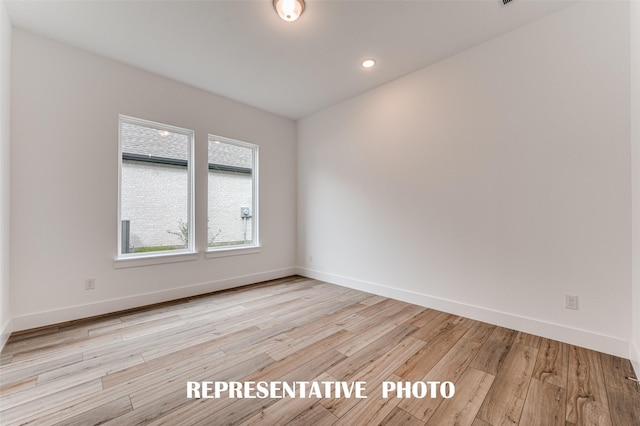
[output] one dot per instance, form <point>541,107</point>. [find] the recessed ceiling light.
<point>368,63</point>
<point>163,133</point>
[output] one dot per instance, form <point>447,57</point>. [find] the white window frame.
<point>254,247</point>
<point>157,257</point>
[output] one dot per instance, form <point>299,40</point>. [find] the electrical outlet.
<point>310,258</point>
<point>90,284</point>
<point>571,302</point>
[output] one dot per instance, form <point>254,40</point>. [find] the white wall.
<point>5,135</point>
<point>635,165</point>
<point>64,157</point>
<point>490,184</point>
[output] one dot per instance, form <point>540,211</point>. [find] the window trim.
<point>231,251</point>
<point>254,247</point>
<point>160,256</point>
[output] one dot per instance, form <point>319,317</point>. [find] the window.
<point>156,189</point>
<point>233,189</point>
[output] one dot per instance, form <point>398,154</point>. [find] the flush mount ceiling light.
<point>289,10</point>
<point>368,63</point>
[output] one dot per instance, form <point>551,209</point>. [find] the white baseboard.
<point>634,356</point>
<point>7,329</point>
<point>578,337</point>
<point>40,319</point>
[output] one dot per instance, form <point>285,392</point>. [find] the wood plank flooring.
<point>132,368</point>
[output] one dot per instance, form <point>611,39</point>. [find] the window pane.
<point>232,210</point>
<point>154,188</point>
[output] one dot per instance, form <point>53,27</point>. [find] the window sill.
<point>154,259</point>
<point>235,251</point>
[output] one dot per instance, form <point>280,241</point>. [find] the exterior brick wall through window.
<point>154,191</point>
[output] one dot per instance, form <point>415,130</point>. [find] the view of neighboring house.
<point>154,189</point>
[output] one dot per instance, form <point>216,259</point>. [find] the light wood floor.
<point>132,368</point>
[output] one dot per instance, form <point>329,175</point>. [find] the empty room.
<point>320,212</point>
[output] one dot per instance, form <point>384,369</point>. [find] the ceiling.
<point>242,50</point>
